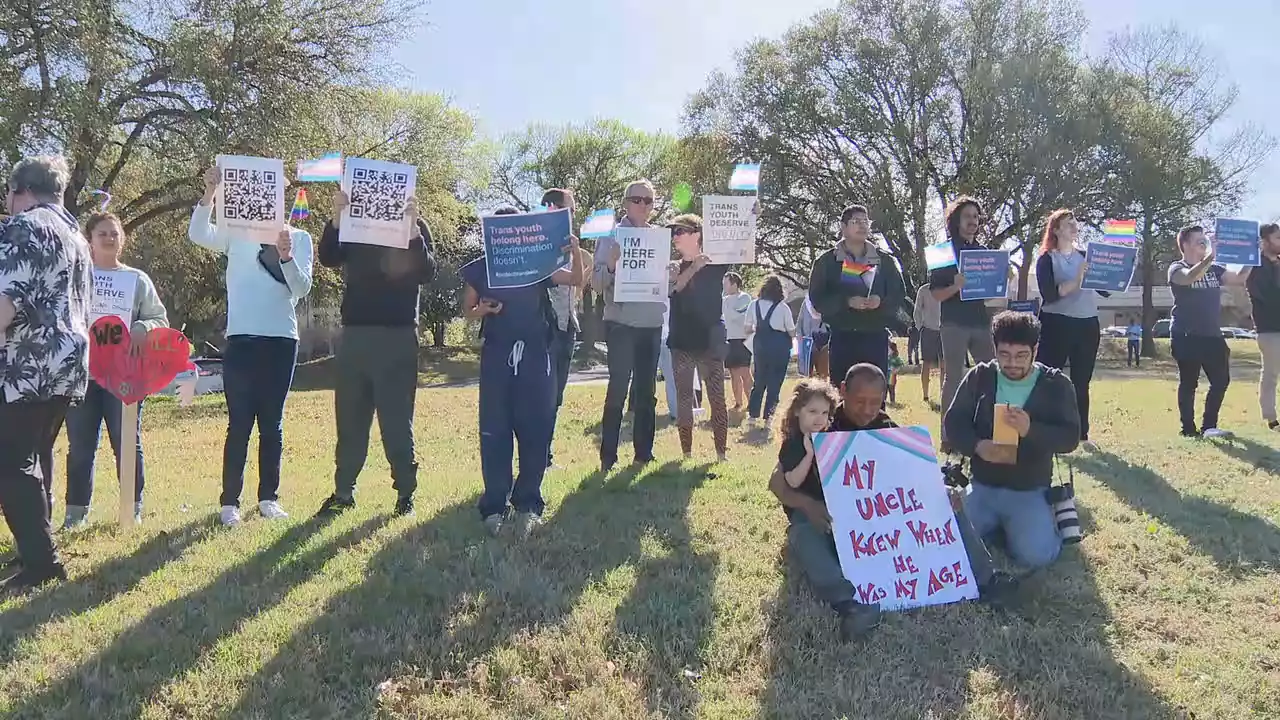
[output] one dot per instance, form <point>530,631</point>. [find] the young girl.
<point>895,365</point>
<point>809,540</point>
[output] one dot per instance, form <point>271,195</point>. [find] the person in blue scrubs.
<point>517,387</point>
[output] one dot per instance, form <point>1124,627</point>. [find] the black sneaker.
<point>1190,433</point>
<point>857,620</point>
<point>334,506</point>
<point>1000,592</point>
<point>28,580</point>
<point>404,507</point>
<point>1273,425</point>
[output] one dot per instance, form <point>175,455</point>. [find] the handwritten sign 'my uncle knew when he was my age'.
<point>896,534</point>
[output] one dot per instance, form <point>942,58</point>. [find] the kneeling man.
<point>1038,403</point>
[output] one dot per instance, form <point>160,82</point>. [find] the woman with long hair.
<point>1069,329</point>
<point>774,325</point>
<point>738,361</point>
<point>84,421</point>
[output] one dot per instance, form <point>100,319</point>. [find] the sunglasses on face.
<point>638,200</point>
<point>677,232</point>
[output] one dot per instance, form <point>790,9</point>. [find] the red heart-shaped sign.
<point>133,376</point>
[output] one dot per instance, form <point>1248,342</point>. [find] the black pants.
<point>851,347</point>
<point>27,432</point>
<point>377,373</point>
<point>633,371</point>
<point>1194,353</point>
<point>256,372</point>
<point>1071,342</point>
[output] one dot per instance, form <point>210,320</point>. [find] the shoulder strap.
<point>768,316</point>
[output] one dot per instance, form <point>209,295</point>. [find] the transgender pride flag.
<point>327,168</point>
<point>598,224</point>
<point>746,176</point>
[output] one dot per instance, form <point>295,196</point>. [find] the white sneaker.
<point>271,510</point>
<point>230,515</point>
<point>1215,433</point>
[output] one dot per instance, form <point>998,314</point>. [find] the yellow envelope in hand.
<point>1002,432</point>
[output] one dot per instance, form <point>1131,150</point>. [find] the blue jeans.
<point>1025,517</point>
<point>84,429</point>
<point>517,403</point>
<point>772,360</point>
<point>256,374</point>
<point>562,345</point>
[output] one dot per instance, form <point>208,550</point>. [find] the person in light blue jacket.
<point>264,284</point>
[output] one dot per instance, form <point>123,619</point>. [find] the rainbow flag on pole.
<point>852,269</point>
<point>301,209</point>
<point>1120,231</point>
<point>746,176</point>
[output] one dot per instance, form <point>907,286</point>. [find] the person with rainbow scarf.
<point>857,287</point>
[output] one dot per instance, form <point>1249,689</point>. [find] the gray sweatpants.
<point>377,371</point>
<point>1269,344</point>
<point>958,342</point>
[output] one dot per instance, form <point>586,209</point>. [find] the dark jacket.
<point>1055,427</point>
<point>830,294</point>
<point>380,284</point>
<point>1264,292</point>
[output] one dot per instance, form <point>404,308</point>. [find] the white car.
<point>210,377</point>
<point>1239,333</point>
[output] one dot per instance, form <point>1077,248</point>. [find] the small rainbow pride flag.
<point>301,210</point>
<point>1120,231</point>
<point>853,269</point>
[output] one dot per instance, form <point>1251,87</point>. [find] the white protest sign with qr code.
<point>378,192</point>
<point>250,199</point>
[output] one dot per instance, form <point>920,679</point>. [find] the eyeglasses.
<point>640,200</point>
<point>678,231</point>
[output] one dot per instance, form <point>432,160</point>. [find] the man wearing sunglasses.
<point>633,332</point>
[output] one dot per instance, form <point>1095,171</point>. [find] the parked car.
<point>1239,333</point>
<point>1115,331</point>
<point>1161,328</point>
<point>210,377</point>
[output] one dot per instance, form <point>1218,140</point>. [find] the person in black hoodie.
<point>857,288</point>
<point>1264,293</point>
<point>1009,481</point>
<point>798,486</point>
<point>377,360</point>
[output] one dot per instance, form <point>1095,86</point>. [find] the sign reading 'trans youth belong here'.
<point>522,250</point>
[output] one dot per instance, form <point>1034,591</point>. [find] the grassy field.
<point>662,594</point>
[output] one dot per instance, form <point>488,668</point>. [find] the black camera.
<point>953,474</point>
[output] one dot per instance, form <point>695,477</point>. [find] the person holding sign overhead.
<point>633,333</point>
<point>46,279</point>
<point>857,287</point>
<point>1264,295</point>
<point>264,284</point>
<point>697,335</point>
<point>1011,416</point>
<point>1069,328</point>
<point>377,360</point>
<point>129,291</point>
<point>1195,333</point>
<point>517,385</point>
<point>965,326</point>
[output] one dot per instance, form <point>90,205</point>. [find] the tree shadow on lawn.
<point>439,598</point>
<point>1050,660</point>
<point>1249,452</point>
<point>83,592</point>
<point>164,645</point>
<point>1238,542</point>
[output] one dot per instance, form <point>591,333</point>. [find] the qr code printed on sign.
<point>378,195</point>
<point>249,194</point>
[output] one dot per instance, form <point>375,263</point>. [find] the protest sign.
<point>1027,306</point>
<point>642,268</point>
<point>986,274</point>
<point>896,535</point>
<point>113,293</point>
<point>939,255</point>
<point>250,199</point>
<point>804,355</point>
<point>521,250</point>
<point>1236,242</point>
<point>377,192</point>
<point>1110,267</point>
<point>729,228</point>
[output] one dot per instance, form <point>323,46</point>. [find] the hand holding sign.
<point>284,244</point>
<point>132,376</point>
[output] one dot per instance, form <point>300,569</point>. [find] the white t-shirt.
<point>782,319</point>
<point>734,309</point>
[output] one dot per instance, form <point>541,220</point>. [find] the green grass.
<point>662,594</point>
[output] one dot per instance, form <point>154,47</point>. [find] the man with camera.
<point>1011,416</point>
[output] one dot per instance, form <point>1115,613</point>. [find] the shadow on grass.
<point>1051,660</point>
<point>1251,453</point>
<point>168,642</point>
<point>107,580</point>
<point>438,600</point>
<point>1238,542</point>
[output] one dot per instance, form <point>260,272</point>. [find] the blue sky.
<point>590,62</point>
